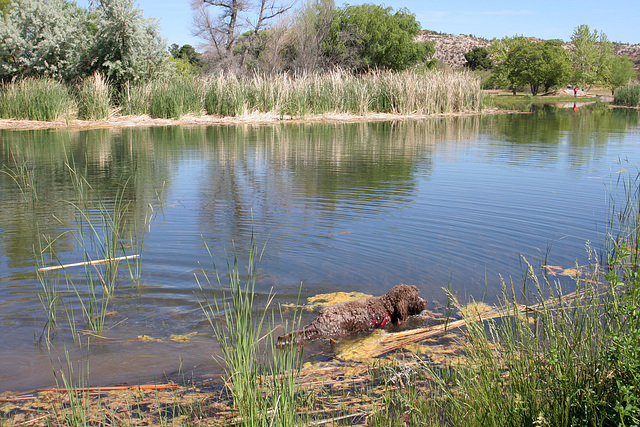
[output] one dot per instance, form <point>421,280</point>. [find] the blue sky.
<point>546,19</point>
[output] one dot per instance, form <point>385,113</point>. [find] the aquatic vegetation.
<point>94,98</point>
<point>175,98</point>
<point>264,386</point>
<point>627,95</point>
<point>569,359</point>
<point>104,236</point>
<point>34,99</point>
<point>337,92</point>
<point>340,92</point>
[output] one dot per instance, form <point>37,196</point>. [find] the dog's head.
<point>405,301</point>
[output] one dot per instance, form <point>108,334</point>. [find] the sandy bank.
<point>206,120</point>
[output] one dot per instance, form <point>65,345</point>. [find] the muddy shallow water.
<point>447,202</point>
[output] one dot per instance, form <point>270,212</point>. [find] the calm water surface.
<point>341,207</point>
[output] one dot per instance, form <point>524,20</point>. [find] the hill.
<point>450,49</point>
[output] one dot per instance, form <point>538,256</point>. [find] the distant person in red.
<point>575,91</point>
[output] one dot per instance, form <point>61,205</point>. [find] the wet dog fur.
<point>346,318</point>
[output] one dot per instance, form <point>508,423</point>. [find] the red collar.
<point>380,323</point>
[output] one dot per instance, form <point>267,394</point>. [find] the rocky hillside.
<point>450,49</point>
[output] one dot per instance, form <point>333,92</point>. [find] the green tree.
<point>622,72</point>
<point>591,54</point>
<point>525,62</point>
<point>43,38</point>
<point>499,50</point>
<point>309,35</point>
<point>368,35</point>
<point>127,47</point>
<point>478,59</point>
<point>5,5</point>
<point>186,60</point>
<point>186,52</point>
<point>557,65</point>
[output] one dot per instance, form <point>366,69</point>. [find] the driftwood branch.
<point>115,388</point>
<point>96,262</point>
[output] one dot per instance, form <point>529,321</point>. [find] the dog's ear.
<point>401,310</point>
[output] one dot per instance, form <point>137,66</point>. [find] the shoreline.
<point>118,122</point>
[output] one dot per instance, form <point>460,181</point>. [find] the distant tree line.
<point>61,40</point>
<point>518,62</point>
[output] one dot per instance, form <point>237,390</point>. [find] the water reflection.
<point>360,206</point>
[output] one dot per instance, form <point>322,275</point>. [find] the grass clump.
<point>174,98</point>
<point>40,99</point>
<point>134,99</point>
<point>559,358</point>
<point>628,95</point>
<point>94,98</point>
<point>263,380</point>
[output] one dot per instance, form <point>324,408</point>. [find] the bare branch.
<point>233,18</point>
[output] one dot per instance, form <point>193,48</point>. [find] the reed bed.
<point>134,99</point>
<point>628,96</point>
<point>175,98</point>
<point>227,95</point>
<point>94,98</point>
<point>35,99</point>
<point>407,93</point>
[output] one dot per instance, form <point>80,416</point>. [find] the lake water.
<point>446,202</point>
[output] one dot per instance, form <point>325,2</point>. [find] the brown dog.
<point>349,317</point>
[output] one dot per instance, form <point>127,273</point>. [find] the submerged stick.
<point>96,262</point>
<point>115,388</point>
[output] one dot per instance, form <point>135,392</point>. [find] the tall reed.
<point>34,99</point>
<point>94,98</point>
<point>627,95</point>
<point>341,92</point>
<point>263,380</point>
<point>176,97</point>
<point>101,236</point>
<point>134,98</point>
<point>570,357</point>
